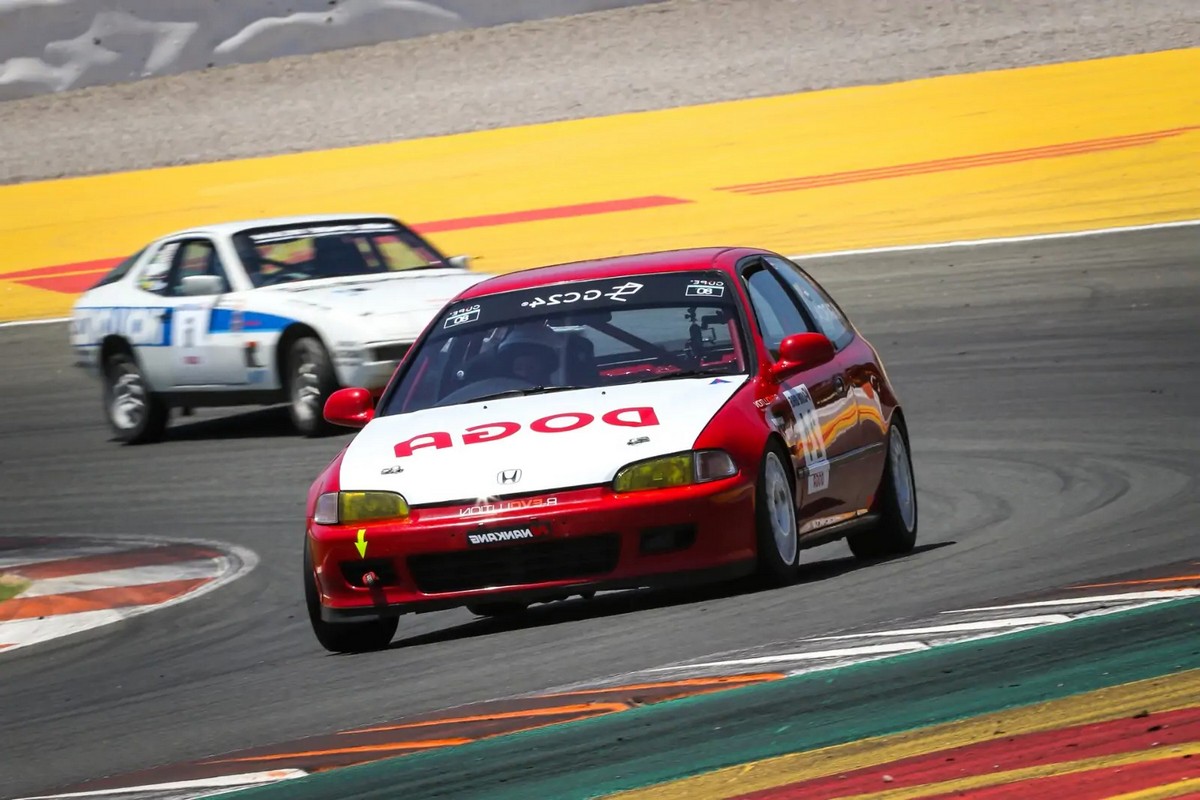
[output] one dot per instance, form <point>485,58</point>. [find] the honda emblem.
<point>508,476</point>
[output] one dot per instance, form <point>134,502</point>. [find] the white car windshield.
<point>574,335</point>
<point>303,252</point>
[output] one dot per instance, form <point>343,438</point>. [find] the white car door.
<point>201,354</point>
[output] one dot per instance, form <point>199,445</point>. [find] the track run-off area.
<point>1049,374</point>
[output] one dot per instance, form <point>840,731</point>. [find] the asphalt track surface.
<point>1049,387</point>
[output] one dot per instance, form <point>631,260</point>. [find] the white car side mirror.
<point>195,285</point>
<point>459,261</point>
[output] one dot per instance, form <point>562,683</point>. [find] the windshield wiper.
<point>524,392</point>
<point>687,373</point>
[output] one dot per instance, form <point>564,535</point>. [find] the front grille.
<point>391,352</point>
<point>560,559</point>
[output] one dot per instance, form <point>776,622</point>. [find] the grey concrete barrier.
<point>55,45</point>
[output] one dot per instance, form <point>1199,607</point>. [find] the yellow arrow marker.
<point>361,544</point>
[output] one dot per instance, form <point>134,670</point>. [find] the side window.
<point>820,305</point>
<point>777,313</point>
<point>154,274</point>
<point>197,257</point>
<point>120,270</point>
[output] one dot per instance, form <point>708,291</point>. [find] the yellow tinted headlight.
<point>359,507</point>
<point>657,473</point>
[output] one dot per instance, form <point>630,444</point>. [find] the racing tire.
<point>499,608</point>
<point>135,413</point>
<point>776,529</point>
<point>309,379</point>
<point>344,637</point>
<point>896,532</point>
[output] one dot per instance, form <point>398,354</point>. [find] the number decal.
<point>807,431</point>
<point>191,328</point>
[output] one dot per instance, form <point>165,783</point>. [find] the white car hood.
<point>392,307</point>
<point>677,410</point>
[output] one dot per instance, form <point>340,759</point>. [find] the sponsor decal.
<point>515,534</point>
<point>703,288</point>
<point>141,326</point>
<point>461,316</point>
<point>717,380</point>
<point>633,417</point>
<point>807,432</point>
<point>391,470</point>
<point>484,509</point>
<point>616,293</point>
<point>320,230</point>
<point>256,376</point>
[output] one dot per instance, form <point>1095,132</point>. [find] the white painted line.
<point>122,578</point>
<point>900,248</point>
<point>847,652</point>
<point>21,322</point>
<point>59,552</point>
<point>1080,601</point>
<point>991,624</point>
<point>1037,237</point>
<point>23,632</point>
<point>245,779</point>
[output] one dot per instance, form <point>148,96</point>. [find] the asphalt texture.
<point>1049,388</point>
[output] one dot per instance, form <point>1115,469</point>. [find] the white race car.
<point>259,312</point>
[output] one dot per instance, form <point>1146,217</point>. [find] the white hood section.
<point>395,306</point>
<point>557,440</point>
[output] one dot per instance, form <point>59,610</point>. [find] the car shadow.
<point>634,601</point>
<point>272,422</point>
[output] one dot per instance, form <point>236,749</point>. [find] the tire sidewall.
<point>300,350</point>
<point>771,564</point>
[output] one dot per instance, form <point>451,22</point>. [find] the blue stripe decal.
<point>226,320</point>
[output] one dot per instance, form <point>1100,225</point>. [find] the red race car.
<point>684,416</point>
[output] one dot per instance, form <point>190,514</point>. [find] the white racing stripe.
<point>221,782</point>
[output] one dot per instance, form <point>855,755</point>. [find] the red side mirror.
<point>802,351</point>
<point>352,408</point>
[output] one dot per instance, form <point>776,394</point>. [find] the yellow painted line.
<point>1176,789</point>
<point>1042,149</point>
<point>1152,695</point>
<point>1030,773</point>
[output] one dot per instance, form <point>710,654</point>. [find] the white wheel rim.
<point>902,479</point>
<point>306,393</point>
<point>128,405</point>
<point>781,510</point>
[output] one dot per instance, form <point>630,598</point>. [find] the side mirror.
<point>802,351</point>
<point>197,285</point>
<point>462,262</point>
<point>350,408</point>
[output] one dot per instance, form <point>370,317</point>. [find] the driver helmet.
<point>537,341</point>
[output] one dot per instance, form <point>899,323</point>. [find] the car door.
<point>859,364</point>
<point>815,409</point>
<point>201,355</point>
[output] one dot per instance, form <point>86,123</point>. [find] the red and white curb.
<point>76,584</point>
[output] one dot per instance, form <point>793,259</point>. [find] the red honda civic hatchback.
<point>638,421</point>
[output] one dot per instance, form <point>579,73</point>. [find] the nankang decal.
<point>507,535</point>
<point>616,293</point>
<point>263,237</point>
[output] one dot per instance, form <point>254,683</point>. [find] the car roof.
<point>230,227</point>
<point>681,260</point>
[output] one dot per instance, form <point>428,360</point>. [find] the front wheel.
<point>775,518</point>
<point>309,379</point>
<point>135,413</point>
<point>343,637</point>
<point>896,532</point>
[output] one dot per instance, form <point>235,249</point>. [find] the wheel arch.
<point>294,331</point>
<point>113,344</point>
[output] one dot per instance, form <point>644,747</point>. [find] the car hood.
<point>395,306</point>
<point>462,452</point>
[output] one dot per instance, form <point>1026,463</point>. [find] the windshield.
<point>285,254</point>
<point>577,335</point>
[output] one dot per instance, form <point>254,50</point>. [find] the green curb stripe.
<point>690,736</point>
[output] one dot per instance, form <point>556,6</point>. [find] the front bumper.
<point>369,366</point>
<point>585,540</point>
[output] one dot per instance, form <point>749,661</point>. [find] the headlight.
<point>349,507</point>
<point>680,469</point>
